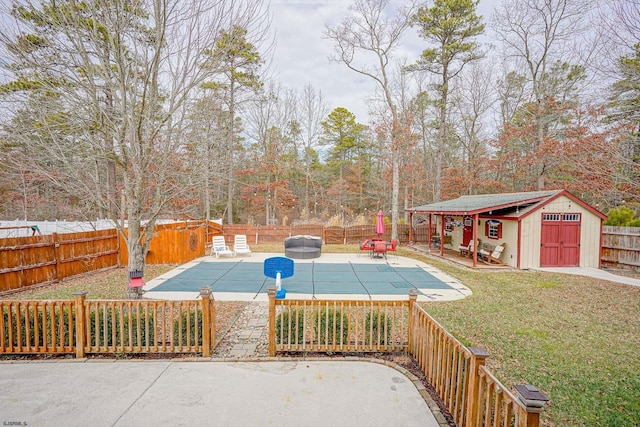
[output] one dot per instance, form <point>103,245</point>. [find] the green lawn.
<point>575,338</point>
<point>107,284</point>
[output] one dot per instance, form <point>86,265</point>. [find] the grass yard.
<point>575,338</point>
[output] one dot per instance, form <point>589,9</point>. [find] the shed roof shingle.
<point>484,202</point>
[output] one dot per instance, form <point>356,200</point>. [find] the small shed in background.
<point>537,229</point>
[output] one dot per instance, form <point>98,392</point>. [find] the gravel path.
<point>248,336</point>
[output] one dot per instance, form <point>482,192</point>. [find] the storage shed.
<point>537,229</point>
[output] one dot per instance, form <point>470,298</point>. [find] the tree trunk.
<point>230,152</point>
<point>442,135</point>
<point>136,256</point>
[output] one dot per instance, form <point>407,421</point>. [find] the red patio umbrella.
<point>380,224</point>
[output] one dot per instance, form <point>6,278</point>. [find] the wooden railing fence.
<point>83,326</point>
<point>338,326</point>
<point>470,392</point>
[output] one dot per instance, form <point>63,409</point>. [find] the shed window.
<point>493,229</point>
<point>573,217</point>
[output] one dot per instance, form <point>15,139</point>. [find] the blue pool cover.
<point>308,278</point>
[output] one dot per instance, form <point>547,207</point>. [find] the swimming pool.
<point>332,276</point>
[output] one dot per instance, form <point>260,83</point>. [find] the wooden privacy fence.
<point>83,326</point>
<point>258,234</point>
<point>621,246</point>
<point>177,243</point>
<point>470,392</point>
<point>26,261</point>
<point>33,260</point>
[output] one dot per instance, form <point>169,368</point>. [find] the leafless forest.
<point>148,109</point>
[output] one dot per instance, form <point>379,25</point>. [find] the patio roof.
<point>469,205</point>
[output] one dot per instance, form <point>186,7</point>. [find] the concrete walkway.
<point>239,386</point>
<point>596,273</point>
<point>178,392</point>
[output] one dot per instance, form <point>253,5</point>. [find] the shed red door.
<point>467,230</point>
<point>560,240</point>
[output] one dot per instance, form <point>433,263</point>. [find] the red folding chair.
<point>392,248</point>
<point>380,248</point>
<point>367,246</point>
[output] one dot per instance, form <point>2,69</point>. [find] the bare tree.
<point>313,109</point>
<point>267,120</point>
<point>124,72</point>
<point>541,39</point>
<point>470,108</point>
<point>364,41</point>
<point>451,26</point>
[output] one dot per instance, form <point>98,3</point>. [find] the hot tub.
<point>302,247</point>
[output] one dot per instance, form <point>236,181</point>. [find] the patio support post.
<point>207,329</point>
<point>478,357</point>
<point>411,228</point>
<point>476,217</point>
<point>271,291</point>
<point>429,236</point>
<point>441,234</point>
<point>81,333</point>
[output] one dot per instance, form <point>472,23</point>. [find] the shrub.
<point>330,323</point>
<point>622,217</point>
<point>64,337</point>
<point>188,336</point>
<point>103,335</point>
<point>296,322</point>
<point>377,328</point>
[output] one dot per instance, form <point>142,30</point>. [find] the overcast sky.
<point>301,53</point>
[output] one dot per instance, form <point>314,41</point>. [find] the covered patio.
<point>551,228</point>
<point>454,256</point>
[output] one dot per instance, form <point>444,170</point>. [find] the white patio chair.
<point>494,256</point>
<point>466,251</point>
<point>220,247</point>
<point>240,245</point>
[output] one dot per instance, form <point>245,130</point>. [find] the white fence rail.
<point>22,228</point>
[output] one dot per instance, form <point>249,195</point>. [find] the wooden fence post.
<point>413,297</point>
<point>272,321</point>
<point>56,255</point>
<point>205,294</point>
<point>80,325</point>
<point>533,401</point>
<point>478,357</point>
